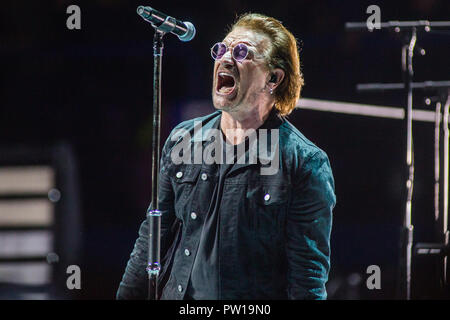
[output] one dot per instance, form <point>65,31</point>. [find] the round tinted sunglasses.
<point>239,52</point>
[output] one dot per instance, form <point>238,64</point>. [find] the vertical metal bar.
<point>407,234</point>
<point>445,191</point>
<point>154,247</point>
<point>445,231</point>
<point>157,61</point>
<point>154,216</point>
<point>437,133</point>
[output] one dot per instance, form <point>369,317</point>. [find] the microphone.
<point>184,30</point>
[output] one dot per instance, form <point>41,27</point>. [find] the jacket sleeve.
<point>134,284</point>
<point>308,229</point>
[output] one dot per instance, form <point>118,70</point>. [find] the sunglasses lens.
<point>218,50</point>
<point>240,52</point>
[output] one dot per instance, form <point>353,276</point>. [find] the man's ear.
<point>276,77</point>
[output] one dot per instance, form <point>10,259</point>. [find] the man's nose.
<point>227,58</point>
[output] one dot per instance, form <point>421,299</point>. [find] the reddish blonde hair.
<point>282,54</point>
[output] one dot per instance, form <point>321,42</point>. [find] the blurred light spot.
<point>52,258</point>
<point>354,279</point>
<point>54,195</point>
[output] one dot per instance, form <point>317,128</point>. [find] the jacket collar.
<point>273,121</point>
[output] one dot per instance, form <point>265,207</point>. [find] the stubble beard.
<point>230,106</point>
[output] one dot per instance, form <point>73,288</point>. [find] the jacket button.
<point>179,174</point>
<point>267,197</point>
<point>180,288</point>
<point>187,252</point>
<point>204,176</point>
<point>193,215</point>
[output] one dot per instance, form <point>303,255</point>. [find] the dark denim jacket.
<point>271,247</point>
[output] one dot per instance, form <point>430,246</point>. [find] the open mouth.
<point>225,83</point>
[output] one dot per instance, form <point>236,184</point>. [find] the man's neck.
<point>235,124</point>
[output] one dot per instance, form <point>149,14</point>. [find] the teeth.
<point>224,85</point>
<point>225,74</point>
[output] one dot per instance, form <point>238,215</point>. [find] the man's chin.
<point>224,103</point>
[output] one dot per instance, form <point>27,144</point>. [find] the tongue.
<point>226,84</point>
<point>225,89</point>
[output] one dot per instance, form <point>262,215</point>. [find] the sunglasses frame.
<point>228,48</point>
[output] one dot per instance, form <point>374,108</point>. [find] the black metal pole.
<point>445,231</point>
<point>407,239</point>
<point>406,242</point>
<point>437,155</point>
<point>154,215</point>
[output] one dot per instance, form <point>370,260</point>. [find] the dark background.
<point>91,89</point>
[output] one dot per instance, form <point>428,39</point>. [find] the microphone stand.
<point>162,24</point>
<point>154,215</point>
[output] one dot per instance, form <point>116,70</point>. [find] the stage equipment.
<point>408,31</point>
<point>185,32</point>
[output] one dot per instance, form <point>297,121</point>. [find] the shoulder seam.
<point>300,136</point>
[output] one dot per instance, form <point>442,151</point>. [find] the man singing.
<point>236,228</point>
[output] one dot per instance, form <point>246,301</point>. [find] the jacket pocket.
<point>183,179</point>
<point>267,205</point>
